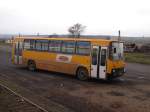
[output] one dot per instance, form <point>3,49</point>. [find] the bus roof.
<point>65,38</point>
<point>94,41</point>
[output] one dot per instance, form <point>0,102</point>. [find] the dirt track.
<point>59,92</point>
<point>10,102</point>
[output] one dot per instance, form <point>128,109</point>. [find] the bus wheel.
<point>31,66</point>
<point>82,74</point>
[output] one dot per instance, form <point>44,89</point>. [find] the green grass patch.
<point>142,58</point>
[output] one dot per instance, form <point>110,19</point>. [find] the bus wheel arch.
<point>31,65</point>
<point>82,73</point>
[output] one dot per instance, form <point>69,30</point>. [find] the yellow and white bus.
<point>84,58</point>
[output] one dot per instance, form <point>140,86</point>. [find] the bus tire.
<point>31,65</point>
<point>82,73</point>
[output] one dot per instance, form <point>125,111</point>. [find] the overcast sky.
<point>103,17</point>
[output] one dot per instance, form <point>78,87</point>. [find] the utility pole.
<point>19,35</point>
<point>38,34</point>
<point>119,37</point>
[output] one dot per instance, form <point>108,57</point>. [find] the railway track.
<point>18,103</point>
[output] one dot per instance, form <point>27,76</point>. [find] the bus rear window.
<point>29,44</point>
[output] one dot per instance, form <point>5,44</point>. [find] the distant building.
<point>9,41</point>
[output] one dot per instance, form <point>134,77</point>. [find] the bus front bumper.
<point>117,72</point>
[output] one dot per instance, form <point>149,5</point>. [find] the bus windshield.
<point>117,51</point>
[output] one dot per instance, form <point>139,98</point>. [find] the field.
<point>142,58</point>
<point>2,43</point>
<point>58,92</point>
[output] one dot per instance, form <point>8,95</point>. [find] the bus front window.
<point>117,51</point>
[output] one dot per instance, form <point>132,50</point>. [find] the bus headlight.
<point>124,70</point>
<point>113,71</point>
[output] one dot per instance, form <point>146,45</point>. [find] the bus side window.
<point>83,48</point>
<point>55,45</point>
<point>42,45</point>
<point>38,45</point>
<point>32,44</point>
<point>68,47</point>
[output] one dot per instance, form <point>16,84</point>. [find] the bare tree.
<point>76,30</point>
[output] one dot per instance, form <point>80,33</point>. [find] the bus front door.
<point>98,66</point>
<point>18,52</point>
